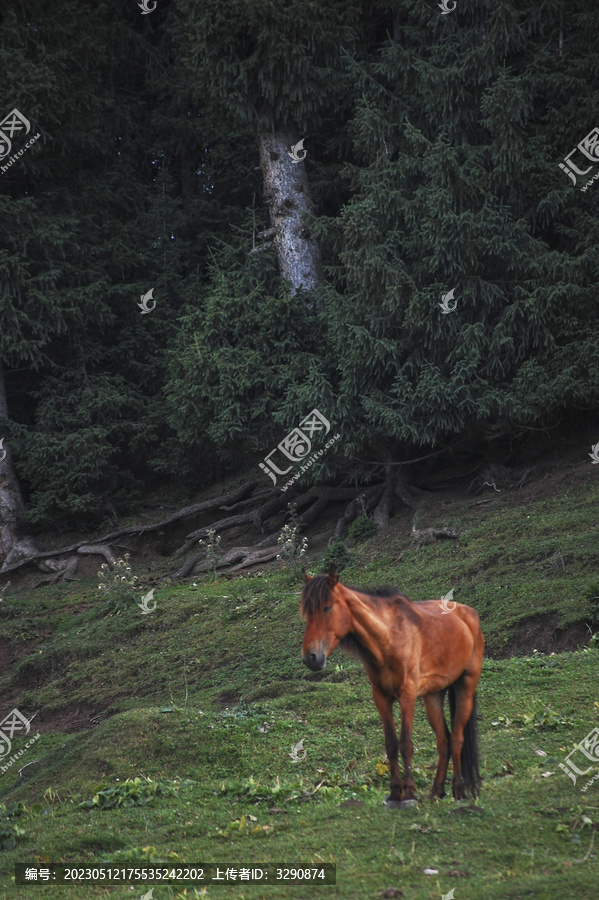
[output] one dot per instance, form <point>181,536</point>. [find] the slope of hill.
<point>206,696</point>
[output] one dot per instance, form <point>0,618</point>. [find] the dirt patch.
<point>71,718</point>
<point>89,565</point>
<point>228,698</point>
<point>543,633</point>
<point>73,608</point>
<point>7,655</point>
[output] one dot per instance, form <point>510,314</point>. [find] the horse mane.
<point>317,593</point>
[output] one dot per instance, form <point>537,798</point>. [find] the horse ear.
<point>333,575</point>
<point>307,577</point>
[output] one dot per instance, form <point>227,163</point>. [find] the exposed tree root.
<point>263,495</point>
<point>218,527</point>
<point>65,569</point>
<point>403,491</point>
<point>261,556</point>
<point>22,550</point>
<point>243,556</point>
<point>231,498</point>
<point>273,506</point>
<point>61,564</point>
<point>312,502</point>
<point>98,550</point>
<point>64,572</point>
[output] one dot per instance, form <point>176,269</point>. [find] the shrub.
<point>361,529</point>
<point>292,548</point>
<point>211,545</point>
<point>338,554</point>
<point>132,792</point>
<point>117,586</point>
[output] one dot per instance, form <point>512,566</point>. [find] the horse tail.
<point>469,755</point>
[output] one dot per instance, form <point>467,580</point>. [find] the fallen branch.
<point>430,535</point>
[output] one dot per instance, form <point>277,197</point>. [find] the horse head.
<point>327,617</point>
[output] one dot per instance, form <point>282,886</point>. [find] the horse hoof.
<point>392,804</point>
<point>408,804</point>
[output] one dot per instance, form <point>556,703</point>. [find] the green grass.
<point>207,696</point>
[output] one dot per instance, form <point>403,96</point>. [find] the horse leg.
<point>407,704</point>
<point>384,704</point>
<point>464,689</point>
<point>433,704</point>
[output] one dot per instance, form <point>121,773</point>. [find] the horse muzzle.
<point>315,661</point>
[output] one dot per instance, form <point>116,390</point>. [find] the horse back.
<point>433,648</point>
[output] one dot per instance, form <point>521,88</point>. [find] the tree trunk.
<point>287,193</point>
<point>384,507</point>
<point>13,546</point>
<point>402,491</point>
<point>371,497</point>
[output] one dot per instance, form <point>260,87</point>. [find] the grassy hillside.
<point>207,696</point>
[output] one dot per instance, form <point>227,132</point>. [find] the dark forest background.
<point>433,144</point>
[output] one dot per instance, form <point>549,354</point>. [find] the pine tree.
<point>455,187</point>
<point>236,356</point>
<point>433,148</point>
<point>273,69</point>
<point>104,206</point>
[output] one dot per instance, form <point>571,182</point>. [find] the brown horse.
<point>409,650</point>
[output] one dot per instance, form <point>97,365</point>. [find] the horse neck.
<point>369,627</point>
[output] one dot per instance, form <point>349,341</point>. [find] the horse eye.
<point>327,608</point>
